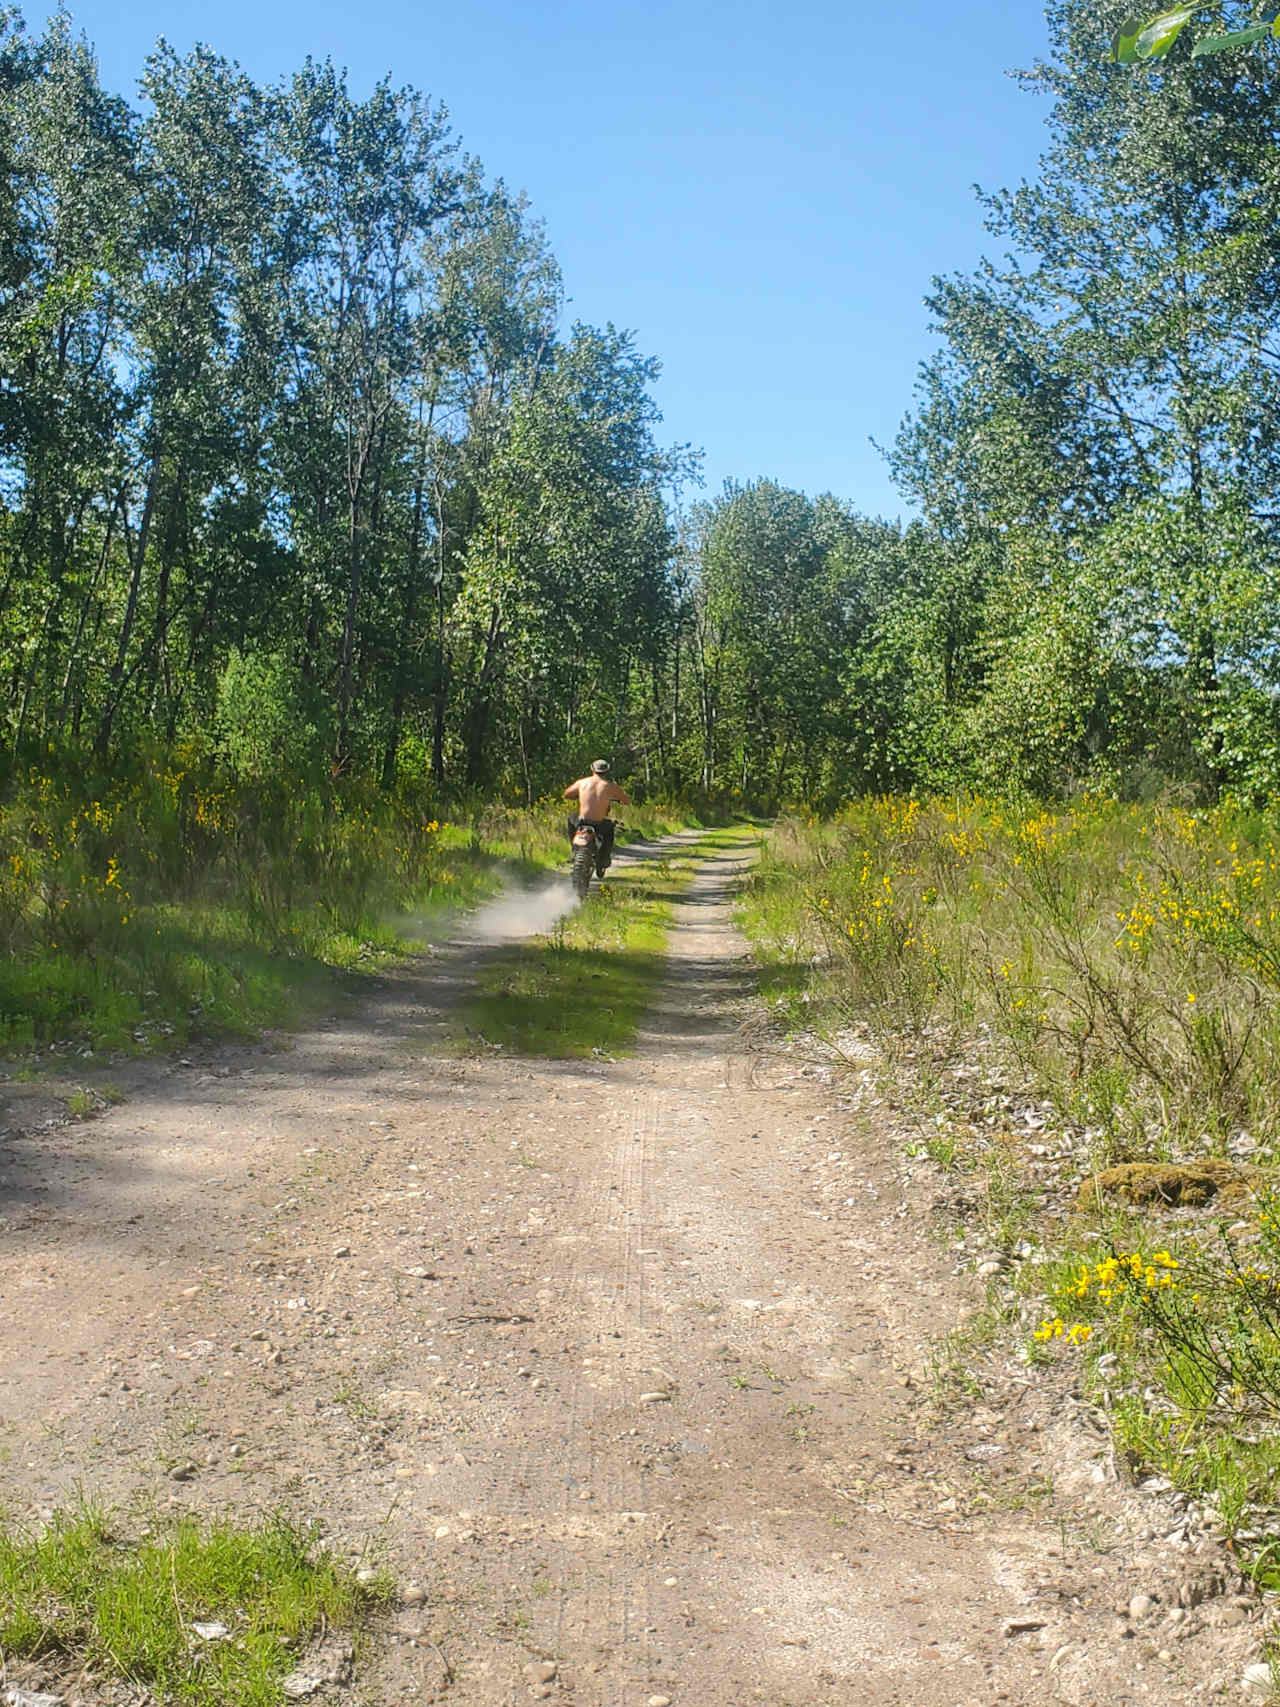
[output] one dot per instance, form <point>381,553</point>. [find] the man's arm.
<point>570,793</point>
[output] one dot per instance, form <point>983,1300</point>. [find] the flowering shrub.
<point>1205,1325</point>
<point>1126,958</point>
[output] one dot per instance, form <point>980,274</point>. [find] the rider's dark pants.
<point>604,828</point>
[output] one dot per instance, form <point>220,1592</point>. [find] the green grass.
<point>584,989</point>
<point>209,968</point>
<point>78,1595</point>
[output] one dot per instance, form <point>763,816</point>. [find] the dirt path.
<point>618,1366</point>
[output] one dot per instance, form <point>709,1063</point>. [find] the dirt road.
<point>617,1365</point>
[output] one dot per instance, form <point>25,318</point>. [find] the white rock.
<point>654,1398</point>
<point>31,1698</point>
<point>211,1632</point>
<point>1256,1682</point>
<point>1141,1606</point>
<point>299,1684</point>
<point>659,1701</point>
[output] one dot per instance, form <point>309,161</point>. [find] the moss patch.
<point>1169,1185</point>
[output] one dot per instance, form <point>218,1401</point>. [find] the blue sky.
<point>760,192</point>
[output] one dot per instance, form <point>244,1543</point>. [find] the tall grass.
<point>1124,960</point>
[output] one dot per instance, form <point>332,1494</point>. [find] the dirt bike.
<point>587,847</point>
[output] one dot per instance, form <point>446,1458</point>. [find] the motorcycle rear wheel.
<point>583,861</point>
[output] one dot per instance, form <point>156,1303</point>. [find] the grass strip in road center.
<point>584,989</point>
<point>201,1613</point>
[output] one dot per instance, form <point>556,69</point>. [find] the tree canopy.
<point>301,466</point>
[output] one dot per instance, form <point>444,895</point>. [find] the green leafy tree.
<point>1121,365</point>
<point>567,575</point>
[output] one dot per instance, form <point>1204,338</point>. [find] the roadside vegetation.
<point>186,899</point>
<point>201,1613</point>
<point>1082,1008</point>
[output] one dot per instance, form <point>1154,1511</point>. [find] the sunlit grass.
<point>80,1595</point>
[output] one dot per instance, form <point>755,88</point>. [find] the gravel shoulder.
<point>620,1366</point>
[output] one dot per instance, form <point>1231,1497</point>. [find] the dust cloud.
<point>519,914</point>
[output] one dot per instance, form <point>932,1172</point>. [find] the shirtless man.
<point>595,794</point>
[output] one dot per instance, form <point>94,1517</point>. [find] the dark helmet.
<point>600,766</point>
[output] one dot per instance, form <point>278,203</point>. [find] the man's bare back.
<point>596,794</point>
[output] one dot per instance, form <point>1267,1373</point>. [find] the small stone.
<point>1231,1615</point>
<point>1022,1625</point>
<point>654,1399</point>
<point>541,1671</point>
<point>342,1250</point>
<point>300,1684</point>
<point>366,1574</point>
<point>1165,1654</point>
<point>1140,1607</point>
<point>441,1531</point>
<point>537,1384</point>
<point>412,1594</point>
<point>659,1701</point>
<point>211,1632</point>
<point>669,1582</point>
<point>182,1472</point>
